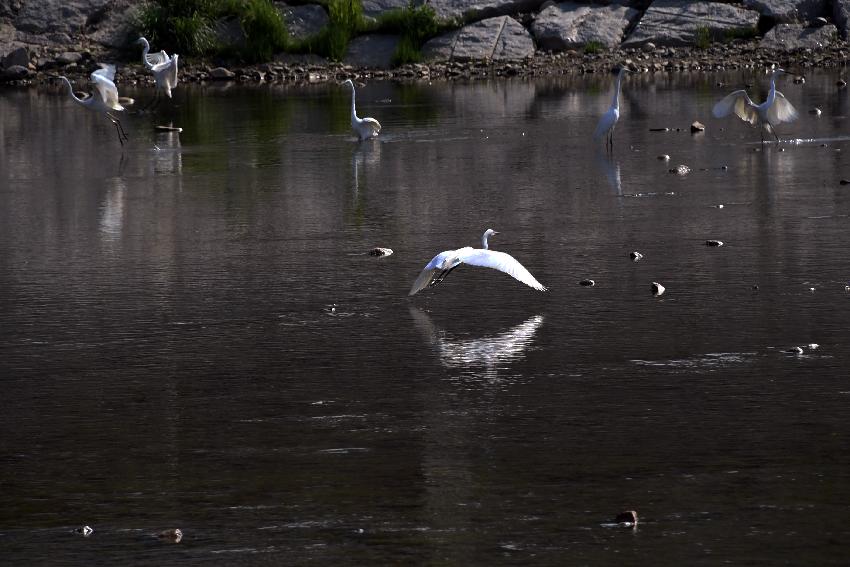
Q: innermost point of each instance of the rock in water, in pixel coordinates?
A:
(715, 243)
(697, 127)
(681, 170)
(635, 256)
(628, 518)
(381, 252)
(664, 157)
(658, 289)
(84, 531)
(173, 536)
(587, 283)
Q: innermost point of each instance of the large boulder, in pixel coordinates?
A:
(568, 25)
(19, 56)
(372, 50)
(498, 39)
(677, 22)
(374, 8)
(303, 21)
(117, 27)
(795, 36)
(469, 10)
(68, 16)
(789, 11)
(841, 15)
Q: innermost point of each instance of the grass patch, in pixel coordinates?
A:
(345, 20)
(741, 33)
(702, 37)
(594, 47)
(184, 26)
(415, 26)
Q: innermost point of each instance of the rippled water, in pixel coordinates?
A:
(193, 335)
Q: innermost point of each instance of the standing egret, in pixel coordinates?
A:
(163, 68)
(609, 119)
(443, 263)
(775, 110)
(104, 98)
(365, 128)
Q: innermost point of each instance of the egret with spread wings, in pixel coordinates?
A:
(775, 110)
(162, 67)
(104, 97)
(443, 263)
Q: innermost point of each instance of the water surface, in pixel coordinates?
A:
(192, 335)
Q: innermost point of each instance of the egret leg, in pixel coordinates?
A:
(773, 131)
(118, 123)
(117, 130)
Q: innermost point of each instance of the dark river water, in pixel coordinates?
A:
(192, 335)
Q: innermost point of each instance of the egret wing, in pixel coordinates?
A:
(781, 110)
(429, 271)
(606, 123)
(373, 124)
(107, 91)
(172, 72)
(502, 262)
(154, 59)
(738, 102)
(106, 71)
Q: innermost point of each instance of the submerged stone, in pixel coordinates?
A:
(715, 243)
(378, 251)
(84, 531)
(587, 283)
(658, 289)
(635, 256)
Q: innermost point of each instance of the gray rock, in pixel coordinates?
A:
(68, 16)
(68, 57)
(795, 36)
(14, 73)
(228, 31)
(469, 10)
(657, 289)
(841, 16)
(303, 21)
(497, 39)
(372, 50)
(117, 28)
(20, 57)
(676, 22)
(221, 74)
(374, 8)
(570, 25)
(789, 11)
(380, 252)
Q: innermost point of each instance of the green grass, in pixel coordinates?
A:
(733, 34)
(183, 26)
(415, 26)
(702, 37)
(594, 47)
(345, 21)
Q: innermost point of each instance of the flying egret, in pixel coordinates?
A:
(443, 263)
(365, 128)
(163, 68)
(104, 98)
(775, 110)
(609, 119)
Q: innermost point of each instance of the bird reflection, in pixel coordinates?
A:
(112, 210)
(363, 155)
(612, 172)
(168, 156)
(490, 352)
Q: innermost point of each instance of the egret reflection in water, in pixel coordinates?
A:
(612, 172)
(491, 352)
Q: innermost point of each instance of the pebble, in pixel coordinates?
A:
(681, 170)
(813, 346)
(697, 127)
(84, 531)
(658, 289)
(628, 518)
(587, 283)
(381, 252)
(716, 243)
(659, 129)
(718, 206)
(664, 157)
(174, 535)
(795, 350)
(635, 256)
(816, 111)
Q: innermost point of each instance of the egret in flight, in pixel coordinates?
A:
(104, 98)
(609, 119)
(163, 68)
(775, 110)
(365, 128)
(443, 263)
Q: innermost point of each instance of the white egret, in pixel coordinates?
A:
(775, 110)
(163, 68)
(609, 119)
(104, 98)
(443, 263)
(365, 128)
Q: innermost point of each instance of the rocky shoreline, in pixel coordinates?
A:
(494, 38)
